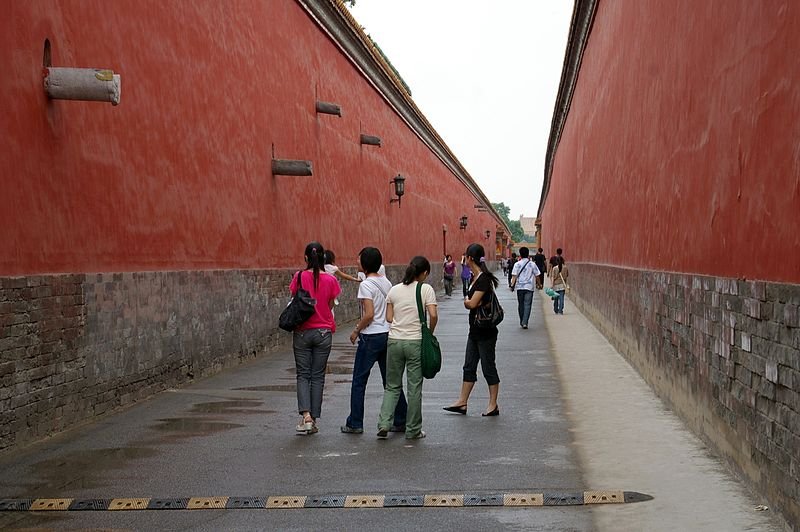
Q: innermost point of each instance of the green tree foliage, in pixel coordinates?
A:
(517, 234)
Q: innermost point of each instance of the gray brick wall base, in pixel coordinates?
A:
(723, 353)
(74, 347)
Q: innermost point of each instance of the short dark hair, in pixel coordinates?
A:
(558, 251)
(524, 252)
(540, 250)
(371, 259)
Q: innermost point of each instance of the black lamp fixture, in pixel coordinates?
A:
(462, 222)
(399, 183)
(487, 233)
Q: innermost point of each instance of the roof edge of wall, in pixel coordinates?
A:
(580, 28)
(335, 19)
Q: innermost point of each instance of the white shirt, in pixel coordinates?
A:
(406, 325)
(375, 288)
(525, 270)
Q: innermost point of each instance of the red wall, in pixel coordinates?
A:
(178, 175)
(680, 151)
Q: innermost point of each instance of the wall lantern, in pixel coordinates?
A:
(399, 183)
(487, 233)
(462, 222)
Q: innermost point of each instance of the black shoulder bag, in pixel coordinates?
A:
(300, 308)
(489, 314)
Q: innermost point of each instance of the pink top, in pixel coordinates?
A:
(324, 293)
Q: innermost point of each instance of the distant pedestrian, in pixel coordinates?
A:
(558, 279)
(405, 347)
(523, 276)
(557, 257)
(372, 333)
(448, 273)
(466, 275)
(541, 262)
(481, 342)
(311, 341)
(511, 262)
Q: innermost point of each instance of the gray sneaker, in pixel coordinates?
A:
(383, 433)
(418, 436)
(350, 430)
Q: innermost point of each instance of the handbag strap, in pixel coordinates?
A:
(419, 305)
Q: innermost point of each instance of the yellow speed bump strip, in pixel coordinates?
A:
(128, 504)
(51, 504)
(388, 500)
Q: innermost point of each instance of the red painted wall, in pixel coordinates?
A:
(680, 151)
(178, 175)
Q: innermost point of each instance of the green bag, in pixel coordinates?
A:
(431, 352)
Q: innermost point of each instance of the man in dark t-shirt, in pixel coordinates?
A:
(540, 260)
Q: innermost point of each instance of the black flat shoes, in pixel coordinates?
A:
(457, 409)
(495, 412)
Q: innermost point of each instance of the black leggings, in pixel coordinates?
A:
(480, 347)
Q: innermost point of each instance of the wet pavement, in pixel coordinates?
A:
(233, 435)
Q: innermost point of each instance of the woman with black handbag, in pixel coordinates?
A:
(311, 339)
(482, 337)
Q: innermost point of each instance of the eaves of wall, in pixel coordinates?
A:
(580, 28)
(335, 19)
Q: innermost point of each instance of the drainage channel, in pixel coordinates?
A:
(439, 500)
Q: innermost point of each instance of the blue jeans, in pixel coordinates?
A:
(371, 349)
(558, 302)
(524, 302)
(311, 350)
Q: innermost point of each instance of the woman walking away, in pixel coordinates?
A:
(466, 275)
(481, 341)
(558, 277)
(448, 272)
(311, 341)
(405, 347)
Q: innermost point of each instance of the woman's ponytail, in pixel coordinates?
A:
(315, 260)
(416, 267)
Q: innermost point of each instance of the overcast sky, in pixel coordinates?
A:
(485, 73)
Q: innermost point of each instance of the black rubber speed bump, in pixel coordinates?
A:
(15, 505)
(89, 505)
(243, 503)
(325, 501)
(168, 504)
(403, 500)
(563, 499)
(483, 500)
(635, 496)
